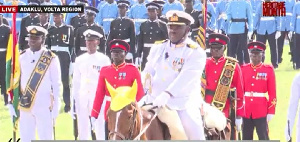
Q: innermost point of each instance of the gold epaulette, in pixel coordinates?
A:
(232, 59)
(191, 45)
(160, 41)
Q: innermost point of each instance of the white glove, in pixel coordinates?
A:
(277, 35)
(269, 117)
(161, 100)
(238, 124)
(250, 34)
(290, 34)
(71, 69)
(12, 111)
(93, 122)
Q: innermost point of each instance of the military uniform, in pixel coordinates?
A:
(174, 71)
(4, 37)
(122, 75)
(19, 16)
(239, 18)
(107, 13)
(221, 18)
(4, 20)
(85, 80)
(122, 28)
(210, 10)
(45, 26)
(195, 27)
(266, 29)
(44, 108)
(292, 110)
(78, 21)
(176, 5)
(27, 21)
(61, 41)
(258, 81)
(213, 72)
(296, 30)
(80, 46)
(161, 4)
(150, 31)
(138, 13)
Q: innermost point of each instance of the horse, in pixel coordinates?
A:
(134, 123)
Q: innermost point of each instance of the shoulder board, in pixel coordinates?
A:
(192, 45)
(23, 52)
(160, 41)
(232, 59)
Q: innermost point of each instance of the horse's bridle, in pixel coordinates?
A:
(131, 130)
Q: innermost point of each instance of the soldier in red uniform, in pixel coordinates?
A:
(219, 84)
(118, 74)
(259, 79)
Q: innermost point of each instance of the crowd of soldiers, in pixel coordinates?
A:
(132, 31)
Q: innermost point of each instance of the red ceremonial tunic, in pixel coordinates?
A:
(122, 75)
(259, 80)
(213, 70)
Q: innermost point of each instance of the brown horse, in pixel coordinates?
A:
(134, 123)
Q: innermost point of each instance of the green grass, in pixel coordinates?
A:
(284, 77)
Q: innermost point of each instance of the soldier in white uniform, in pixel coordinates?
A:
(292, 110)
(85, 80)
(41, 88)
(175, 67)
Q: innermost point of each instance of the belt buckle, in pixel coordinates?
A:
(251, 94)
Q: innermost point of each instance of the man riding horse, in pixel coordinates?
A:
(174, 67)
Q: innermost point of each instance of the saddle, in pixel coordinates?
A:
(171, 119)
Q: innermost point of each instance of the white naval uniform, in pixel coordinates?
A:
(85, 80)
(182, 81)
(293, 107)
(39, 117)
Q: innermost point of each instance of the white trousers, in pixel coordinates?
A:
(84, 124)
(30, 122)
(192, 123)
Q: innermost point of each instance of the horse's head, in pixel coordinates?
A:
(123, 114)
(124, 124)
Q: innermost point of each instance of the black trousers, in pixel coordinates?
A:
(65, 59)
(2, 75)
(261, 128)
(280, 43)
(296, 50)
(146, 51)
(238, 48)
(272, 42)
(106, 130)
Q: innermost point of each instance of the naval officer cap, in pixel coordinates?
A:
(176, 17)
(161, 3)
(92, 35)
(123, 3)
(37, 31)
(81, 2)
(91, 9)
(118, 44)
(256, 46)
(152, 5)
(217, 39)
(34, 2)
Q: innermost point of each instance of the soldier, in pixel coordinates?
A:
(172, 5)
(221, 21)
(107, 13)
(31, 19)
(151, 31)
(79, 20)
(19, 17)
(239, 18)
(174, 67)
(216, 67)
(161, 4)
(292, 111)
(122, 28)
(61, 41)
(285, 28)
(210, 11)
(4, 20)
(41, 86)
(295, 33)
(4, 37)
(118, 74)
(69, 16)
(85, 79)
(196, 15)
(266, 30)
(138, 13)
(80, 46)
(259, 79)
(44, 20)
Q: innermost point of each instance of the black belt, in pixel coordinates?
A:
(239, 20)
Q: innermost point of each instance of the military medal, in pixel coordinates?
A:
(120, 75)
(124, 75)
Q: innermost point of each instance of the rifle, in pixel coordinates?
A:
(289, 131)
(253, 35)
(234, 134)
